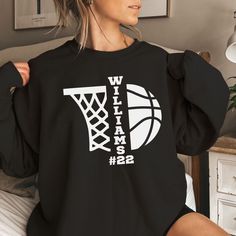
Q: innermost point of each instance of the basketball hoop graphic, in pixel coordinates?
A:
(91, 101)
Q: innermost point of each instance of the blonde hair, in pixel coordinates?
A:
(79, 10)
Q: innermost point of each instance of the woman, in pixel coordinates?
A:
(102, 127)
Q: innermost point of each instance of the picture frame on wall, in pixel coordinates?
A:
(34, 14)
(155, 8)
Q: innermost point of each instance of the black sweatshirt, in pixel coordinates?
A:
(103, 130)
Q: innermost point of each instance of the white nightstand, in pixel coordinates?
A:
(222, 183)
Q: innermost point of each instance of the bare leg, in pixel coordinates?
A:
(195, 224)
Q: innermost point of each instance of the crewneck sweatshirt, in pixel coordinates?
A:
(102, 129)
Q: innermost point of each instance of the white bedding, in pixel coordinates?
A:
(15, 210)
(190, 198)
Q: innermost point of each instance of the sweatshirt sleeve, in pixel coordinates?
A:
(19, 122)
(199, 99)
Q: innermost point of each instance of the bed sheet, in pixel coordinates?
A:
(14, 212)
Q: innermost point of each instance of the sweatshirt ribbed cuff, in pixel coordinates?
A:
(9, 77)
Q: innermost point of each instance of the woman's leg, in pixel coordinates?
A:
(195, 224)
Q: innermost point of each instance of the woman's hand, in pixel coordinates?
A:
(23, 69)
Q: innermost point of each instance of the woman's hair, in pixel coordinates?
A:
(79, 10)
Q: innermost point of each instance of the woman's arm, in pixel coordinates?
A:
(199, 99)
(19, 122)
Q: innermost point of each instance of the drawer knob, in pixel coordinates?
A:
(234, 218)
(234, 177)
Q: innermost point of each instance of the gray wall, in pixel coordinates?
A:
(193, 24)
(10, 37)
(198, 25)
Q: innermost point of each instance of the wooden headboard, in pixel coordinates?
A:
(195, 172)
(206, 56)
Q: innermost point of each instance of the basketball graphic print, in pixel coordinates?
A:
(120, 117)
(144, 116)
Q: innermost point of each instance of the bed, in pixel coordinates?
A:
(14, 213)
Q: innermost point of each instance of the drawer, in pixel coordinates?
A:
(226, 176)
(227, 215)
